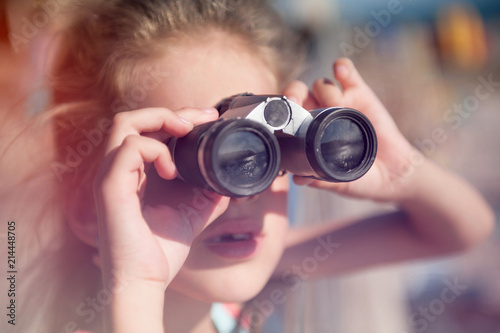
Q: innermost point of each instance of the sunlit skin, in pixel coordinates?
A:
(148, 244)
(190, 68)
(191, 83)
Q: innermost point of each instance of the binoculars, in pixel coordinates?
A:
(257, 136)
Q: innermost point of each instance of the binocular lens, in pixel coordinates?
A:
(242, 160)
(340, 144)
(234, 157)
(343, 145)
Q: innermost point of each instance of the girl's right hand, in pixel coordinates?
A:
(143, 246)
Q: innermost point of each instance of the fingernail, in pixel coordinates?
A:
(184, 120)
(341, 70)
(210, 110)
(328, 81)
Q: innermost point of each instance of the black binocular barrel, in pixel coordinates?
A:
(335, 144)
(242, 152)
(234, 157)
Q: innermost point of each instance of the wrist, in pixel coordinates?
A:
(135, 306)
(416, 178)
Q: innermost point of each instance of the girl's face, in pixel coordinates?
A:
(233, 257)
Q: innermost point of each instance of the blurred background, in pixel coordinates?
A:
(429, 61)
(436, 66)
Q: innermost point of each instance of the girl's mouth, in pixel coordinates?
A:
(235, 239)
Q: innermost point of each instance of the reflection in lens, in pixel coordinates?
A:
(343, 145)
(242, 159)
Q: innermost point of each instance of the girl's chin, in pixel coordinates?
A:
(222, 288)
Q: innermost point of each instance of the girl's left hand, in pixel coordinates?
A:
(389, 175)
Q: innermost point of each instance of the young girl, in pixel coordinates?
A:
(133, 73)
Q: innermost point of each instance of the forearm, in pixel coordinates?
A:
(440, 213)
(444, 210)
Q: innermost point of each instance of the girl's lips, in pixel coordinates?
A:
(234, 238)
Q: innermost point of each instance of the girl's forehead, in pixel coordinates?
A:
(201, 74)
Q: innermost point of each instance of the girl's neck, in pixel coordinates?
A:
(186, 315)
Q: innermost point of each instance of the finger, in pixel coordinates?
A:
(301, 181)
(219, 206)
(354, 86)
(311, 103)
(341, 188)
(327, 93)
(197, 214)
(349, 78)
(118, 184)
(195, 217)
(137, 150)
(296, 91)
(194, 116)
(347, 75)
(146, 120)
(206, 215)
(198, 116)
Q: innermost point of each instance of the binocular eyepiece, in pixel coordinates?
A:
(256, 136)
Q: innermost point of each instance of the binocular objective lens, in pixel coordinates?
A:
(343, 145)
(243, 159)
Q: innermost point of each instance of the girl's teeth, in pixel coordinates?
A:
(232, 237)
(241, 236)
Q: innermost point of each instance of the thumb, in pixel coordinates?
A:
(341, 188)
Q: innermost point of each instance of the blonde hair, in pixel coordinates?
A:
(102, 52)
(109, 45)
